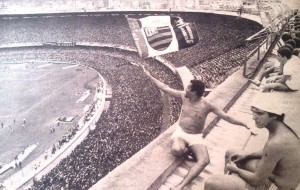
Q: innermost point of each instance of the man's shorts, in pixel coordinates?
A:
(191, 139)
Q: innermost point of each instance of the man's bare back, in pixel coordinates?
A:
(288, 145)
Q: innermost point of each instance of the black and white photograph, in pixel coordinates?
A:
(149, 95)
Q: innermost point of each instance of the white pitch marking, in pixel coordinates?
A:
(68, 67)
(45, 65)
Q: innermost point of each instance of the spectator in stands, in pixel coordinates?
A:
(291, 42)
(187, 138)
(297, 28)
(289, 80)
(278, 162)
(297, 40)
(240, 10)
(290, 47)
(296, 34)
(286, 36)
(271, 67)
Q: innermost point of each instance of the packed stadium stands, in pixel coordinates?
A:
(136, 111)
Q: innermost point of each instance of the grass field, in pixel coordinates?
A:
(39, 93)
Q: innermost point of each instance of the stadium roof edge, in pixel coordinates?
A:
(255, 18)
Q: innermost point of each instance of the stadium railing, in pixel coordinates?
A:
(270, 37)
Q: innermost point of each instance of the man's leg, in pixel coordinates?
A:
(202, 157)
(225, 182)
(265, 71)
(275, 86)
(179, 147)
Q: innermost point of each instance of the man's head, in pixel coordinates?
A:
(291, 42)
(286, 36)
(297, 28)
(196, 88)
(267, 108)
(297, 40)
(297, 34)
(263, 119)
(289, 46)
(297, 23)
(296, 52)
(284, 54)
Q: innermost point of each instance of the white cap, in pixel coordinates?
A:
(269, 102)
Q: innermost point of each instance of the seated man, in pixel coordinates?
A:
(187, 138)
(279, 160)
(290, 79)
(266, 70)
(271, 68)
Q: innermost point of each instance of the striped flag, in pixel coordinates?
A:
(159, 38)
(157, 35)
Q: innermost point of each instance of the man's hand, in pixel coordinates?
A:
(231, 167)
(237, 157)
(145, 71)
(245, 125)
(252, 130)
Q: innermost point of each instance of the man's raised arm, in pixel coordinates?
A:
(162, 86)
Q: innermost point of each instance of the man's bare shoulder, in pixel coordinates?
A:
(284, 137)
(208, 104)
(274, 150)
(278, 145)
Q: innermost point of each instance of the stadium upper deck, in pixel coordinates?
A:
(218, 35)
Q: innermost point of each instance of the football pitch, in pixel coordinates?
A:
(32, 97)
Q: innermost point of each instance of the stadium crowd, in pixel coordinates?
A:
(217, 35)
(135, 115)
(133, 120)
(105, 29)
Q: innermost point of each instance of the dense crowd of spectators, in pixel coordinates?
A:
(215, 71)
(218, 34)
(221, 48)
(104, 29)
(136, 112)
(133, 120)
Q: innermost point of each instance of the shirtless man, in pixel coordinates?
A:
(187, 137)
(279, 160)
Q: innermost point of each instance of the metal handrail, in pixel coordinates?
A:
(268, 29)
(271, 39)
